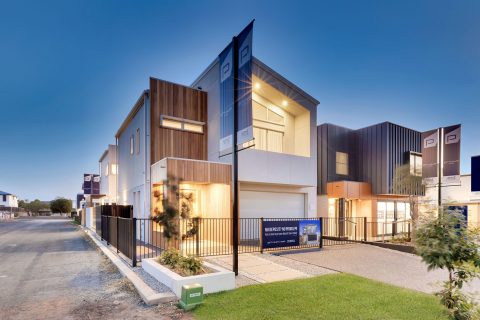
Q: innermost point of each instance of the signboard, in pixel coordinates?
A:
(290, 233)
(475, 178)
(430, 157)
(227, 89)
(451, 155)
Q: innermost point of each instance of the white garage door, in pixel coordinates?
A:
(255, 204)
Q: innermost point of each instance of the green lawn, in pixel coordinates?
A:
(337, 296)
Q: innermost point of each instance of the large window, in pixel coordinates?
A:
(415, 164)
(131, 144)
(181, 124)
(269, 127)
(137, 142)
(341, 163)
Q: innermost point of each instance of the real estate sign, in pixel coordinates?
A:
(91, 183)
(451, 155)
(290, 233)
(227, 91)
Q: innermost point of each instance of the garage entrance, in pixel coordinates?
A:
(257, 204)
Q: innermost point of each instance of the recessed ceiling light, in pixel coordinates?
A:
(285, 103)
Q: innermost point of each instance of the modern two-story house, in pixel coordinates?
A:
(107, 165)
(360, 172)
(278, 174)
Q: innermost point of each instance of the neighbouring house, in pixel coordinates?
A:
(357, 168)
(108, 175)
(8, 200)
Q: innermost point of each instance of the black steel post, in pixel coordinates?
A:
(261, 235)
(320, 242)
(134, 242)
(235, 156)
(196, 222)
(117, 234)
(440, 162)
(365, 229)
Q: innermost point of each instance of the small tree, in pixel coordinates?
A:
(61, 205)
(444, 242)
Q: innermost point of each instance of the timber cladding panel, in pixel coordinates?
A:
(199, 171)
(174, 100)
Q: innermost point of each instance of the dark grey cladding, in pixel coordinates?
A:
(374, 154)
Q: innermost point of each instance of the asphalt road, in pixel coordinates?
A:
(50, 270)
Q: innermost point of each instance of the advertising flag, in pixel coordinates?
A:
(87, 183)
(451, 155)
(430, 159)
(227, 90)
(475, 174)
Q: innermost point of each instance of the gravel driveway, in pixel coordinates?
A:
(50, 270)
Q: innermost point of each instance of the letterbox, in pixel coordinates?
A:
(192, 295)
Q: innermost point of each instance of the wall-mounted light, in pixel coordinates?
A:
(257, 85)
(285, 103)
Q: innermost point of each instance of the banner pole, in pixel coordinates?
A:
(440, 162)
(235, 156)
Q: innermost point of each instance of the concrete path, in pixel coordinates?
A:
(49, 270)
(385, 265)
(261, 270)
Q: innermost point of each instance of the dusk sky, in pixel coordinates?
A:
(70, 71)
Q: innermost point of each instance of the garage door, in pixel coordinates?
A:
(255, 204)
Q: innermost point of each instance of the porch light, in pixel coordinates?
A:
(285, 103)
(257, 85)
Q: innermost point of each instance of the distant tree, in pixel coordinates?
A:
(36, 205)
(61, 205)
(23, 204)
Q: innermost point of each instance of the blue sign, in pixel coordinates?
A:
(475, 174)
(290, 233)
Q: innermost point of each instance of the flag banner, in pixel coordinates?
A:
(245, 127)
(244, 91)
(475, 178)
(451, 155)
(95, 184)
(430, 157)
(226, 99)
(87, 183)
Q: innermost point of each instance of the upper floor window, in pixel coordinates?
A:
(415, 164)
(4, 198)
(131, 144)
(137, 142)
(106, 170)
(113, 169)
(341, 162)
(182, 124)
(268, 128)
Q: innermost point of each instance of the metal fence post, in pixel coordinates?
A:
(134, 242)
(196, 222)
(409, 235)
(320, 242)
(365, 229)
(261, 235)
(108, 230)
(117, 234)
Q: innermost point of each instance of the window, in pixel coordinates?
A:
(4, 198)
(131, 144)
(341, 163)
(181, 124)
(269, 127)
(106, 170)
(137, 140)
(113, 169)
(415, 164)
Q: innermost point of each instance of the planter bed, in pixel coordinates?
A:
(219, 279)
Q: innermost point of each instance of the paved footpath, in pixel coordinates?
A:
(49, 270)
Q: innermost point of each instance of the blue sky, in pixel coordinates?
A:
(71, 70)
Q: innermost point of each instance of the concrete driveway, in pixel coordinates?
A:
(385, 265)
(49, 270)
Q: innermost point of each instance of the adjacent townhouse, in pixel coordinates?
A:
(108, 175)
(8, 200)
(359, 172)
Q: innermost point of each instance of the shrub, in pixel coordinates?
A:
(170, 257)
(190, 265)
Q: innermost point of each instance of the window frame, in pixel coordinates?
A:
(414, 169)
(132, 144)
(345, 164)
